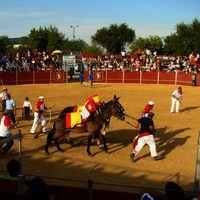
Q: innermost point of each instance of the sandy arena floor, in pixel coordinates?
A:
(177, 137)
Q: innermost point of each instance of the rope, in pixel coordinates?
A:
(130, 124)
(131, 117)
(50, 114)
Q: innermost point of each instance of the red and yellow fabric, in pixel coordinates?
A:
(92, 102)
(73, 118)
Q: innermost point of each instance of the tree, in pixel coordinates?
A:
(186, 39)
(93, 49)
(153, 43)
(45, 39)
(114, 38)
(4, 43)
(74, 46)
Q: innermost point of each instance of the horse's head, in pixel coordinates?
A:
(117, 109)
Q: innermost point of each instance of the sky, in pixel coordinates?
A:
(146, 17)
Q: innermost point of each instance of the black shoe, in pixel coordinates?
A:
(132, 155)
(157, 157)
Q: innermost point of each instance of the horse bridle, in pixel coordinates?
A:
(120, 110)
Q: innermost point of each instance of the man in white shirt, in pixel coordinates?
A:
(3, 97)
(177, 97)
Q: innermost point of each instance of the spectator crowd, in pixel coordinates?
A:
(35, 61)
(143, 61)
(139, 61)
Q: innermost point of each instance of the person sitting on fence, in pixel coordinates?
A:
(5, 125)
(37, 188)
(13, 169)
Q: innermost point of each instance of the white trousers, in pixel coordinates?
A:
(38, 120)
(149, 140)
(175, 104)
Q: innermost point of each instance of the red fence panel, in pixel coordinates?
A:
(130, 77)
(167, 77)
(154, 77)
(114, 76)
(184, 79)
(31, 77)
(149, 77)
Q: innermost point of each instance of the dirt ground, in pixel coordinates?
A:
(177, 137)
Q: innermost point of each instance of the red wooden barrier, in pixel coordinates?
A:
(31, 77)
(154, 77)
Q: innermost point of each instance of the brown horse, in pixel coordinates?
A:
(93, 125)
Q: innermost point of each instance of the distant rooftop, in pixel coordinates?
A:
(14, 41)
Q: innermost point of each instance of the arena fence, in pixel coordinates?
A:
(197, 172)
(18, 136)
(101, 76)
(87, 191)
(153, 77)
(32, 77)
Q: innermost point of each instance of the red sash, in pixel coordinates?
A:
(135, 142)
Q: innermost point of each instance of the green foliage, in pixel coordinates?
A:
(186, 39)
(45, 39)
(74, 46)
(93, 49)
(4, 43)
(114, 38)
(153, 43)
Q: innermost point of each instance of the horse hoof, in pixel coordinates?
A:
(71, 143)
(89, 154)
(47, 153)
(103, 148)
(61, 150)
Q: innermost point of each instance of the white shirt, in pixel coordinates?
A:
(4, 130)
(176, 94)
(3, 96)
(27, 104)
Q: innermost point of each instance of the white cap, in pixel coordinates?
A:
(151, 103)
(41, 97)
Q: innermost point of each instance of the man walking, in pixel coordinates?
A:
(40, 108)
(91, 79)
(11, 108)
(145, 136)
(177, 97)
(147, 109)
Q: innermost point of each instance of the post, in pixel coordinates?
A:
(140, 76)
(74, 30)
(20, 176)
(89, 193)
(197, 172)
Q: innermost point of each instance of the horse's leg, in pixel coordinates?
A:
(68, 138)
(49, 140)
(89, 144)
(58, 145)
(105, 148)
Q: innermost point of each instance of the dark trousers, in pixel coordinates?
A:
(3, 104)
(12, 115)
(26, 113)
(8, 145)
